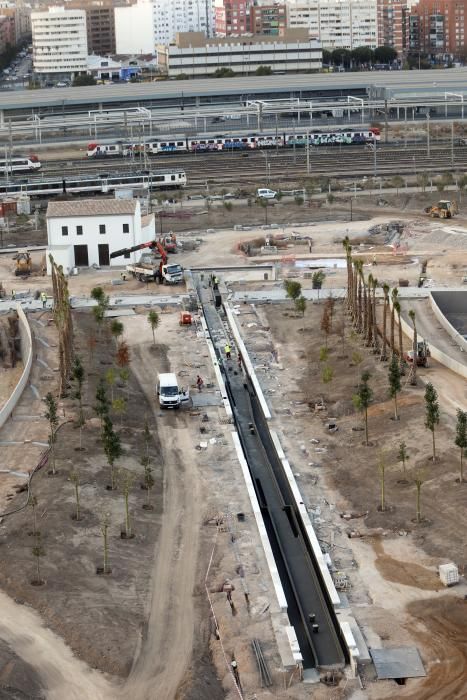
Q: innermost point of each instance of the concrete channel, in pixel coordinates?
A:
(309, 607)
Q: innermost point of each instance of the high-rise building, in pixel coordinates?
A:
(392, 24)
(336, 23)
(174, 16)
(59, 42)
(270, 19)
(134, 28)
(438, 27)
(100, 24)
(232, 17)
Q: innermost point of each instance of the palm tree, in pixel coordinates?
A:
(369, 313)
(375, 325)
(358, 272)
(397, 308)
(365, 305)
(383, 355)
(348, 248)
(413, 366)
(394, 294)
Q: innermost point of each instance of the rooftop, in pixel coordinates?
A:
(91, 207)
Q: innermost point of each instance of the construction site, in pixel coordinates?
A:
(243, 477)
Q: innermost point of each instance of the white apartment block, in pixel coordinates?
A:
(59, 42)
(343, 24)
(174, 16)
(134, 28)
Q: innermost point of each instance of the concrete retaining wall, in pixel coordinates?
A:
(447, 325)
(26, 353)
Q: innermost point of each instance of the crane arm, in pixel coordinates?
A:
(141, 246)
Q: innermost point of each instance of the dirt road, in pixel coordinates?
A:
(166, 647)
(61, 674)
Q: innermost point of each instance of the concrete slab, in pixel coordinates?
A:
(203, 399)
(398, 662)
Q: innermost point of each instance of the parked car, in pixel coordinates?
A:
(265, 193)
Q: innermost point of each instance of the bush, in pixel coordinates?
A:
(228, 206)
(298, 200)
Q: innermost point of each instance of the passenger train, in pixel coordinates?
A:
(18, 164)
(229, 143)
(98, 184)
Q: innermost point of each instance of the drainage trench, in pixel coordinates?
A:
(309, 608)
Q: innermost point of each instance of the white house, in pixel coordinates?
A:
(85, 232)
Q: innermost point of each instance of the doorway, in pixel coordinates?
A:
(104, 257)
(81, 256)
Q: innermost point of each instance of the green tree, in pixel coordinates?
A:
(153, 320)
(293, 289)
(102, 405)
(83, 80)
(126, 480)
(323, 354)
(362, 55)
(327, 374)
(105, 524)
(394, 382)
(397, 182)
(52, 416)
(263, 70)
(112, 448)
(223, 73)
(317, 279)
(119, 407)
(75, 480)
(363, 399)
(403, 456)
(461, 439)
(148, 482)
(326, 325)
(431, 413)
(111, 378)
(98, 294)
(418, 480)
(116, 328)
(385, 54)
(300, 305)
(77, 376)
(38, 552)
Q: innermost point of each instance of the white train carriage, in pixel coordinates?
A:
(19, 165)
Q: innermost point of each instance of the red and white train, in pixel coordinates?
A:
(207, 144)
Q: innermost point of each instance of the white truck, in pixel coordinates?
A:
(148, 270)
(170, 395)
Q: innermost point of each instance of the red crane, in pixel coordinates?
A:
(150, 244)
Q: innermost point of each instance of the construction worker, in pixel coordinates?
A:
(215, 284)
(44, 299)
(228, 350)
(199, 382)
(13, 295)
(239, 360)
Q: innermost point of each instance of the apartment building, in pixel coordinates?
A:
(179, 16)
(19, 15)
(100, 26)
(194, 55)
(438, 27)
(392, 24)
(268, 19)
(342, 24)
(59, 42)
(134, 28)
(232, 17)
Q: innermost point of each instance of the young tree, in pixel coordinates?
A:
(77, 376)
(357, 359)
(75, 480)
(461, 439)
(97, 293)
(419, 480)
(32, 501)
(123, 355)
(323, 354)
(413, 365)
(38, 552)
(110, 378)
(300, 305)
(52, 416)
(394, 295)
(116, 328)
(327, 374)
(126, 481)
(102, 402)
(317, 279)
(119, 407)
(153, 320)
(325, 325)
(148, 481)
(105, 524)
(431, 413)
(397, 308)
(293, 289)
(394, 382)
(403, 456)
(363, 398)
(112, 448)
(383, 356)
(382, 473)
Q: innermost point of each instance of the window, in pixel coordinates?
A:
(101, 228)
(64, 230)
(126, 228)
(79, 230)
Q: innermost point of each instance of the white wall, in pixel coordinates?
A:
(114, 236)
(63, 255)
(59, 40)
(26, 356)
(134, 28)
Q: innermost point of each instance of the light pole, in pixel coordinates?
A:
(375, 167)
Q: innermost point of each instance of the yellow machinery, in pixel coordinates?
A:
(23, 263)
(445, 209)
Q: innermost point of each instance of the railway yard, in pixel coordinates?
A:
(281, 534)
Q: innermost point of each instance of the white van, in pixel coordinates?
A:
(169, 393)
(265, 193)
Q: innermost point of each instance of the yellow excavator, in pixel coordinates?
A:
(23, 263)
(445, 209)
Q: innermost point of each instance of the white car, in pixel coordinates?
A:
(265, 193)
